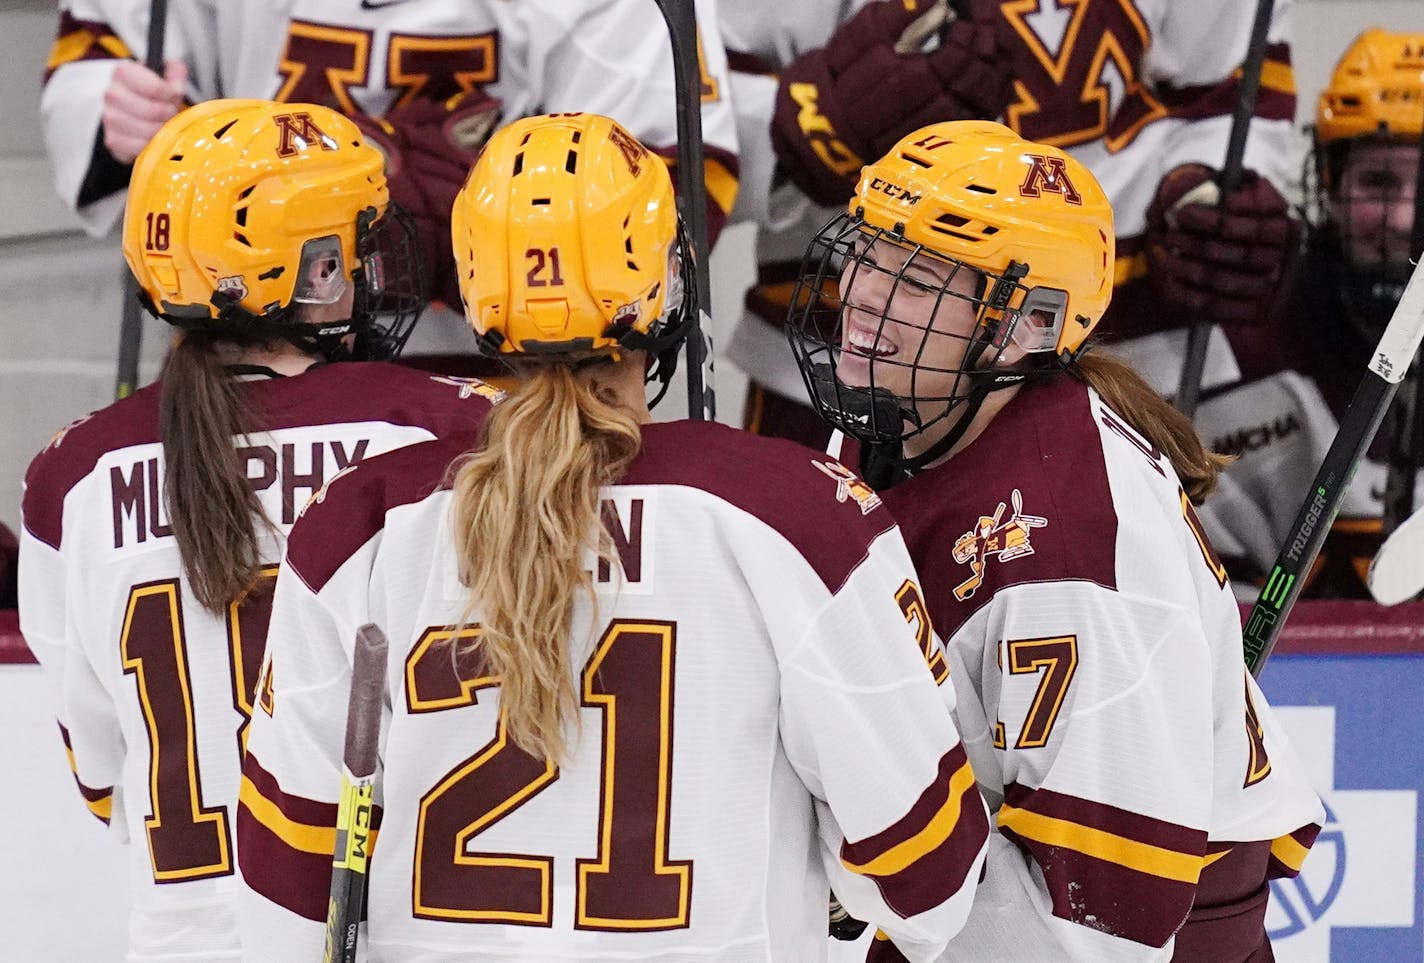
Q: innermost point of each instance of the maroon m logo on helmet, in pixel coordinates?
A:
(298, 131)
(1048, 174)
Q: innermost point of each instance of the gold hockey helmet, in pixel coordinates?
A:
(567, 242)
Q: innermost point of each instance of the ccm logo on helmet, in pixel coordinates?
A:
(894, 191)
(299, 131)
(1048, 174)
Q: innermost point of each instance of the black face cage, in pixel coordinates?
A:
(1366, 264)
(388, 296)
(838, 257)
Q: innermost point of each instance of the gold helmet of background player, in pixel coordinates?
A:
(976, 193)
(567, 242)
(1377, 88)
(240, 211)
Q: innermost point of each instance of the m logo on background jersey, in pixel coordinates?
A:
(849, 486)
(1048, 174)
(299, 131)
(1007, 540)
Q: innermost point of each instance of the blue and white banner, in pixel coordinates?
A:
(1350, 691)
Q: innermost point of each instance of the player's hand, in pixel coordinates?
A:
(430, 146)
(137, 102)
(845, 105)
(1220, 264)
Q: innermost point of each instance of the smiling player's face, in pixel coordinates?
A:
(906, 322)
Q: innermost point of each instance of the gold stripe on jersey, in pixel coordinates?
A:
(937, 830)
(1278, 75)
(78, 45)
(1100, 844)
(319, 840)
(1129, 267)
(722, 184)
(99, 801)
(1289, 852)
(1210, 858)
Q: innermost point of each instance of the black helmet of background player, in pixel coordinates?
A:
(248, 218)
(531, 229)
(968, 260)
(1367, 129)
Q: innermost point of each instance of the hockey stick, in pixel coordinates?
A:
(131, 316)
(358, 779)
(681, 17)
(1397, 571)
(1407, 444)
(1199, 335)
(1396, 349)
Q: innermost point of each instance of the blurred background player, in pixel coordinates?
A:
(820, 89)
(1140, 91)
(1302, 369)
(153, 528)
(659, 666)
(426, 80)
(1142, 791)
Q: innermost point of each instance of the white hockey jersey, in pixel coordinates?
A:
(1132, 88)
(153, 691)
(758, 726)
(609, 57)
(1138, 779)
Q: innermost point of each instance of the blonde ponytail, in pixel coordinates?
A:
(1123, 390)
(526, 505)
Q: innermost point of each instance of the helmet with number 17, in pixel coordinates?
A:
(569, 247)
(244, 215)
(968, 259)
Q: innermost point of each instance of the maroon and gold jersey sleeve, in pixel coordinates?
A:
(1142, 786)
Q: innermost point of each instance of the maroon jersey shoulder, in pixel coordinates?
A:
(375, 391)
(822, 508)
(1027, 501)
(75, 450)
(351, 508)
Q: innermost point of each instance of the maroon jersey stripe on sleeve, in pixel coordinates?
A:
(924, 858)
(1275, 102)
(99, 801)
(83, 40)
(1288, 852)
(1107, 868)
(285, 843)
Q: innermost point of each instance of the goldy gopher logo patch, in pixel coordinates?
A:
(849, 486)
(1007, 540)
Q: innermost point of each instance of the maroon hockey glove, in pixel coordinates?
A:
(430, 146)
(1217, 264)
(845, 105)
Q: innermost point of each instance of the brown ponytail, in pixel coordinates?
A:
(211, 506)
(1123, 390)
(526, 505)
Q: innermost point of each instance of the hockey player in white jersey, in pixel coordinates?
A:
(1142, 791)
(153, 528)
(652, 687)
(425, 79)
(1141, 91)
